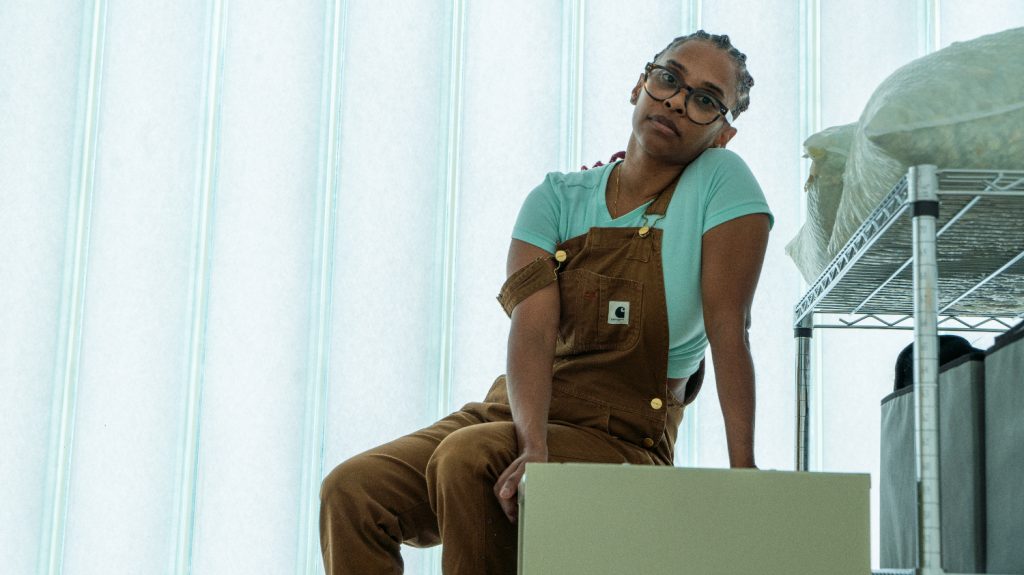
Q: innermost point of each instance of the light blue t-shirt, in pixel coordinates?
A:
(714, 188)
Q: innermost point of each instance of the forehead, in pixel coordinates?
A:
(704, 63)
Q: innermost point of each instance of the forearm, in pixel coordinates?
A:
(734, 374)
(530, 357)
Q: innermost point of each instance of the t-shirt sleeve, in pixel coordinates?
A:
(537, 223)
(733, 192)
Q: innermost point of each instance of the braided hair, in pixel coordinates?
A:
(744, 81)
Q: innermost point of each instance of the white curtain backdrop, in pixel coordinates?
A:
(242, 241)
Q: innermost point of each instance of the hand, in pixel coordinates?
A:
(507, 487)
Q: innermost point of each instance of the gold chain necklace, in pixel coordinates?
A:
(618, 190)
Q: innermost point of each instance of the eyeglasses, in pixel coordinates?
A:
(700, 106)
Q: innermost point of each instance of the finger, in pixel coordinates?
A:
(505, 489)
(499, 484)
(509, 508)
(508, 490)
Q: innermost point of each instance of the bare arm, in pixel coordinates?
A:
(531, 349)
(731, 259)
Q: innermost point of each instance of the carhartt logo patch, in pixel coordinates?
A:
(618, 312)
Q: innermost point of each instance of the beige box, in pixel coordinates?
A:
(594, 519)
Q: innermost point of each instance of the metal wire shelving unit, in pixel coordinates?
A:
(943, 251)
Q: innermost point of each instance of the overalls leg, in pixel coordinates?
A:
(477, 537)
(461, 475)
(372, 503)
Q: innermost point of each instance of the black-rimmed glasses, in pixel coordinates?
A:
(701, 107)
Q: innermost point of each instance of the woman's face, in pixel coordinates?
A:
(662, 129)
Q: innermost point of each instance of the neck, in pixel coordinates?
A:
(644, 177)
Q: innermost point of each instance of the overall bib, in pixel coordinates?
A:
(610, 404)
(611, 357)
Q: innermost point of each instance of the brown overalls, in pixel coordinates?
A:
(610, 404)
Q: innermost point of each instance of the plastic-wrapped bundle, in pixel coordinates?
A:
(961, 107)
(827, 150)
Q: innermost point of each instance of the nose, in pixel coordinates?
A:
(680, 108)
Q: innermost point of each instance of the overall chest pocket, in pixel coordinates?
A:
(598, 312)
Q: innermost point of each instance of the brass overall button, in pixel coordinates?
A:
(644, 231)
(648, 442)
(656, 403)
(560, 256)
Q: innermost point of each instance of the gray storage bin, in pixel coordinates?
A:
(962, 467)
(1004, 453)
(962, 385)
(897, 519)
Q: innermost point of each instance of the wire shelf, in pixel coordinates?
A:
(980, 248)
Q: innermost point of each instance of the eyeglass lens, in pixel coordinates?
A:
(701, 107)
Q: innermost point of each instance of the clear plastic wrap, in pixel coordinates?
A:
(827, 150)
(960, 107)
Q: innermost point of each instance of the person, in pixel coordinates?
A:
(619, 278)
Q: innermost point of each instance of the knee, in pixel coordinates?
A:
(482, 450)
(347, 481)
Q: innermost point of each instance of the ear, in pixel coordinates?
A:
(724, 136)
(635, 94)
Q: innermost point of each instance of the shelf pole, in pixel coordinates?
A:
(803, 333)
(923, 197)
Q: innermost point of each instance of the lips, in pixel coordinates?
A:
(665, 122)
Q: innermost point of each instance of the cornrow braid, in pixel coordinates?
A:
(744, 81)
